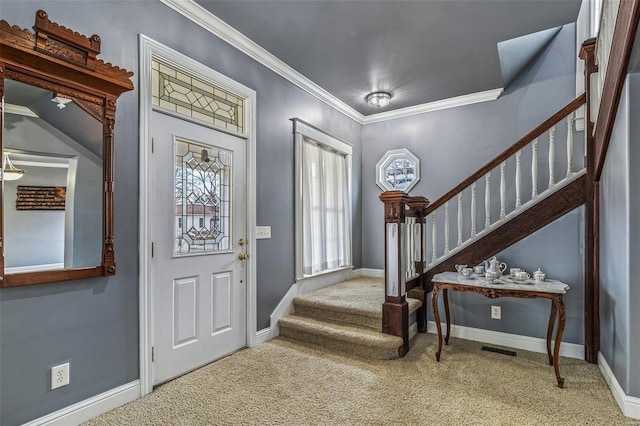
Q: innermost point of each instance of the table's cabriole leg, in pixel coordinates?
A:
(562, 317)
(445, 297)
(552, 321)
(436, 317)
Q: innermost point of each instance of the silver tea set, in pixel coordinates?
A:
(492, 270)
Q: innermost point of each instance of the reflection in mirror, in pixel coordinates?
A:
(53, 211)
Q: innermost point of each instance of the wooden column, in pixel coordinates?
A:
(592, 224)
(395, 310)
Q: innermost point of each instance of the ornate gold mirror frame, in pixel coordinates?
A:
(64, 62)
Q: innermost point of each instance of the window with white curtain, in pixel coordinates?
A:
(323, 201)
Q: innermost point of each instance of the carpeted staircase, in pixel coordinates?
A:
(345, 317)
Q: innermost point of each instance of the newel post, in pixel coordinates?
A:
(592, 207)
(395, 310)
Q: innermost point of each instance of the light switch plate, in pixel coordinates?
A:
(263, 232)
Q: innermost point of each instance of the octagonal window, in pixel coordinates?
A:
(398, 170)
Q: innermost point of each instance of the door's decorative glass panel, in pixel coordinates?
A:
(398, 170)
(202, 198)
(184, 94)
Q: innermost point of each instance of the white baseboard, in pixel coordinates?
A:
(285, 307)
(263, 335)
(629, 405)
(369, 272)
(92, 407)
(533, 344)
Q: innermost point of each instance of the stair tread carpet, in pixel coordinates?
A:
(347, 317)
(362, 296)
(345, 338)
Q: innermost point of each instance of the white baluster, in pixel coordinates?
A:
(446, 227)
(433, 237)
(552, 142)
(503, 190)
(417, 241)
(569, 145)
(487, 200)
(473, 209)
(459, 220)
(518, 178)
(534, 168)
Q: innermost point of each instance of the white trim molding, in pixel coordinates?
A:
(369, 272)
(149, 49)
(458, 101)
(216, 26)
(91, 407)
(629, 405)
(201, 16)
(527, 343)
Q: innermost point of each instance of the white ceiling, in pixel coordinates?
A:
(420, 51)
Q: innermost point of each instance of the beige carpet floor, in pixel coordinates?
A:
(286, 383)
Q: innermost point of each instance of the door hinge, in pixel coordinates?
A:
(153, 354)
(153, 145)
(152, 250)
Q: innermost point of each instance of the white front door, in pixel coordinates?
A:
(198, 229)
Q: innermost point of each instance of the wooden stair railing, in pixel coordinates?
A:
(410, 261)
(404, 262)
(525, 179)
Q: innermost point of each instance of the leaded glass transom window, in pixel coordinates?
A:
(203, 199)
(184, 94)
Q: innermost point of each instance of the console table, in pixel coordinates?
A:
(549, 289)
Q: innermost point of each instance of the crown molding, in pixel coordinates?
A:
(472, 98)
(202, 17)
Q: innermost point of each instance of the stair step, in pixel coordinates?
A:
(346, 338)
(356, 302)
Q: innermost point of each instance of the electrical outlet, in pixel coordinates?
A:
(496, 312)
(59, 376)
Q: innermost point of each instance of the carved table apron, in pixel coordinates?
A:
(550, 289)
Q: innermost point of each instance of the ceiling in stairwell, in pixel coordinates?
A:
(420, 51)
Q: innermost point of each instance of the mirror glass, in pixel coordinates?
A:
(398, 170)
(52, 211)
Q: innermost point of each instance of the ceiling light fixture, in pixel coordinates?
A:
(379, 99)
(9, 172)
(62, 102)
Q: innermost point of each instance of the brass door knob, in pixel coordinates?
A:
(243, 256)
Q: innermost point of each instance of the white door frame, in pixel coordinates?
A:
(148, 49)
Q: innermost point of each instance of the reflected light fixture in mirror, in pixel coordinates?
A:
(379, 99)
(60, 101)
(9, 171)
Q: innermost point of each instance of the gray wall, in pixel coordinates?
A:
(94, 323)
(619, 244)
(554, 250)
(453, 143)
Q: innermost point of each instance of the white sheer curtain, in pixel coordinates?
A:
(326, 209)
